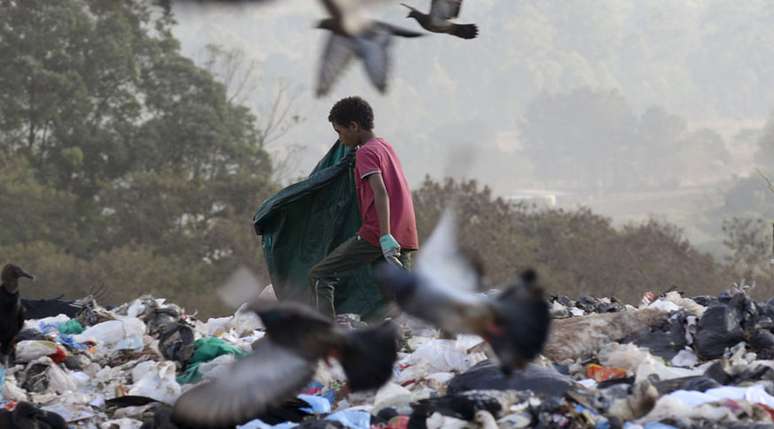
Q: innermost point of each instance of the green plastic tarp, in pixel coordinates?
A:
(302, 223)
(205, 350)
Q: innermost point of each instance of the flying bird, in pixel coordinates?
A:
(354, 36)
(442, 291)
(284, 361)
(440, 16)
(11, 309)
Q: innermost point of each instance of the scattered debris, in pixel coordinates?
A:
(672, 362)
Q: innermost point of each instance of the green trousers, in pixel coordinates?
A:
(349, 255)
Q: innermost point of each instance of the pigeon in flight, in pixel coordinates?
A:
(440, 16)
(352, 35)
(284, 361)
(442, 291)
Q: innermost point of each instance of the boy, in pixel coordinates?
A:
(386, 210)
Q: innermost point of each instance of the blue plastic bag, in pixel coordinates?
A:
(352, 419)
(317, 404)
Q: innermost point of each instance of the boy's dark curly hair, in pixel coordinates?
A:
(352, 109)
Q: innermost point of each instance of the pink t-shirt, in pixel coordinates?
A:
(378, 156)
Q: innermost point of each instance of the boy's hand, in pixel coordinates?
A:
(390, 246)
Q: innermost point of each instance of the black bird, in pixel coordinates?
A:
(440, 16)
(11, 309)
(284, 361)
(352, 35)
(28, 416)
(442, 291)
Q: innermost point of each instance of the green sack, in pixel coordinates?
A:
(304, 222)
(205, 350)
(71, 327)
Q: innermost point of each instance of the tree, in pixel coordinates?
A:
(658, 132)
(574, 251)
(581, 137)
(125, 152)
(749, 241)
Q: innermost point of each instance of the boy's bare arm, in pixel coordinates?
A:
(381, 201)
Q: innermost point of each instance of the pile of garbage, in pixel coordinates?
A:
(673, 361)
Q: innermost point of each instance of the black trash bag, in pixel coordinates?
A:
(706, 300)
(176, 341)
(754, 374)
(565, 301)
(717, 371)
(610, 307)
(699, 383)
(721, 327)
(587, 303)
(544, 382)
(615, 381)
(156, 318)
(767, 309)
(291, 410)
(460, 405)
(384, 416)
(665, 339)
(762, 342)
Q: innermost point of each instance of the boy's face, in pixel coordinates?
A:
(348, 135)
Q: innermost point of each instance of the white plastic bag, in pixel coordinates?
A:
(123, 334)
(685, 359)
(443, 356)
(391, 395)
(244, 322)
(30, 350)
(155, 380)
(652, 365)
(60, 380)
(123, 423)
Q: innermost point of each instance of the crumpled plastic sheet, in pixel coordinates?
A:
(122, 423)
(317, 404)
(71, 412)
(258, 424)
(115, 335)
(438, 355)
(156, 380)
(352, 418)
(755, 394)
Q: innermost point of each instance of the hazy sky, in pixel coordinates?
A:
(710, 62)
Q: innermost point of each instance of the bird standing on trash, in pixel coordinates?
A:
(440, 16)
(283, 362)
(353, 35)
(442, 291)
(11, 309)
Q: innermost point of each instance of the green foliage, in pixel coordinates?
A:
(123, 164)
(749, 240)
(575, 252)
